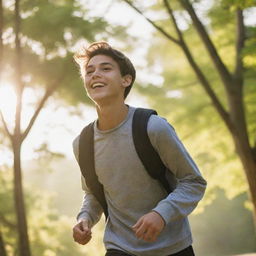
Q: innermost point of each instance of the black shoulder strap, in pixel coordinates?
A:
(87, 165)
(146, 152)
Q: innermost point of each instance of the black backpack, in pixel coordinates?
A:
(147, 154)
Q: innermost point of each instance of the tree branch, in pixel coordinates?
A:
(240, 40)
(201, 77)
(5, 126)
(225, 75)
(49, 91)
(161, 30)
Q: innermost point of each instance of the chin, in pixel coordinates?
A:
(98, 99)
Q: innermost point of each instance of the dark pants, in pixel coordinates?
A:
(186, 252)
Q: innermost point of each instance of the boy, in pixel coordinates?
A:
(143, 219)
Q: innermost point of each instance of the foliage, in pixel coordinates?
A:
(50, 31)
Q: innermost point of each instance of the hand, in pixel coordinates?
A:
(82, 232)
(149, 226)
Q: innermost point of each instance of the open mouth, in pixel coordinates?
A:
(97, 85)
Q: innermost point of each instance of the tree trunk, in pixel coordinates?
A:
(241, 141)
(249, 164)
(24, 249)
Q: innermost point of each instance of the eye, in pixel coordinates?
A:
(106, 68)
(88, 72)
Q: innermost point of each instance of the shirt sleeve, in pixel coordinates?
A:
(90, 210)
(190, 186)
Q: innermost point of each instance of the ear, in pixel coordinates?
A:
(126, 80)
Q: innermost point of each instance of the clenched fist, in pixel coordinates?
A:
(82, 232)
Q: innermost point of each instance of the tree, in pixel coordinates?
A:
(233, 81)
(62, 25)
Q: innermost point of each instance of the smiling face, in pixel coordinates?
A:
(103, 80)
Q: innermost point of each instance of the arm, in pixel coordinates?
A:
(90, 211)
(191, 185)
(190, 188)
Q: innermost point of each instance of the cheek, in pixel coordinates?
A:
(86, 81)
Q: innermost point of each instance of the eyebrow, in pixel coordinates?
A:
(101, 64)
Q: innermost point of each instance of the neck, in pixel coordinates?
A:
(111, 116)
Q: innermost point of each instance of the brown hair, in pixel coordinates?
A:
(102, 48)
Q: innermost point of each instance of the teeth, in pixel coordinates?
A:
(97, 85)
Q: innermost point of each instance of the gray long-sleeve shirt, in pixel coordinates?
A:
(130, 192)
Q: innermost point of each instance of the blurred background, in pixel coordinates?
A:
(196, 65)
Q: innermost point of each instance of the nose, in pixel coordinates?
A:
(96, 74)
